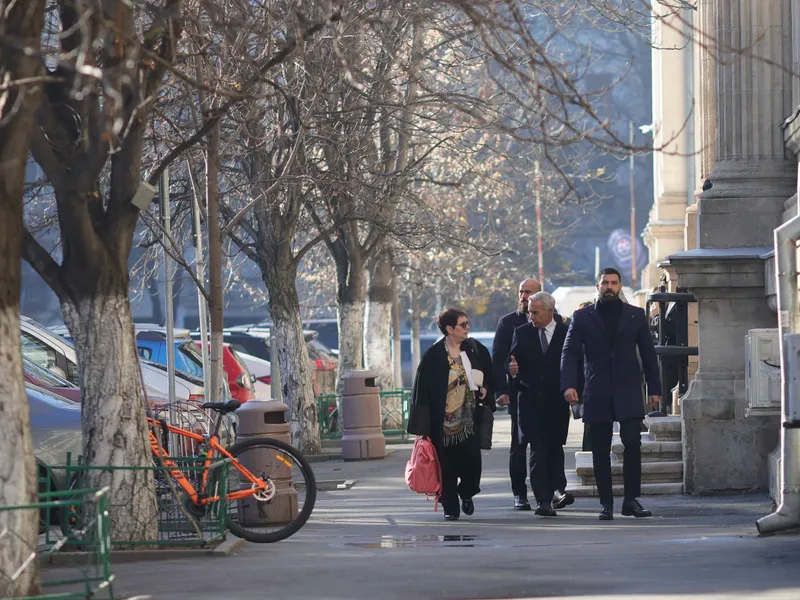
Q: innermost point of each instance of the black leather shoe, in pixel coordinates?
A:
(562, 499)
(545, 509)
(607, 514)
(468, 506)
(521, 503)
(450, 517)
(632, 508)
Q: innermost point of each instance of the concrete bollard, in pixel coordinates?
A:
(258, 418)
(362, 437)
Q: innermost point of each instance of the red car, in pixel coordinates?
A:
(240, 380)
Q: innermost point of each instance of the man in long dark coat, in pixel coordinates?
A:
(607, 336)
(542, 413)
(518, 452)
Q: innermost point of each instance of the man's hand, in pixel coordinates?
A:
(653, 401)
(482, 393)
(503, 400)
(513, 367)
(571, 396)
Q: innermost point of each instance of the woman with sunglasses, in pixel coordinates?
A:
(448, 401)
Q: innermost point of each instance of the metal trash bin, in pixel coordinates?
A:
(266, 418)
(362, 437)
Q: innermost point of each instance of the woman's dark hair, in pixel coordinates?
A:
(449, 318)
(609, 271)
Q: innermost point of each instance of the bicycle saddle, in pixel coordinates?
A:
(222, 407)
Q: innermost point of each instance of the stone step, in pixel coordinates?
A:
(652, 450)
(664, 429)
(652, 472)
(648, 489)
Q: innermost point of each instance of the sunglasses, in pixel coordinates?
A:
(465, 324)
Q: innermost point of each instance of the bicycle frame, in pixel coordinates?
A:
(213, 448)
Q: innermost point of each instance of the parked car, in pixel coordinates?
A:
(152, 345)
(57, 354)
(55, 430)
(43, 378)
(256, 339)
(261, 371)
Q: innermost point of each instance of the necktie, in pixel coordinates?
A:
(543, 338)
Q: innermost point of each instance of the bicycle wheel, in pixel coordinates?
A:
(287, 503)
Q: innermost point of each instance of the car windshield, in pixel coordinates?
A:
(45, 376)
(194, 358)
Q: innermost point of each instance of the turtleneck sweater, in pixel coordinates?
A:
(610, 312)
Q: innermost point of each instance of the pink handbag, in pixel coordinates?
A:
(423, 473)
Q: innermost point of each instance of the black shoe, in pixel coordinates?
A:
(521, 503)
(607, 514)
(632, 508)
(468, 506)
(562, 499)
(450, 517)
(544, 509)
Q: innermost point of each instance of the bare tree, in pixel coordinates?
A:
(108, 62)
(20, 91)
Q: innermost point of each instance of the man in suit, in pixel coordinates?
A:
(543, 415)
(607, 335)
(517, 459)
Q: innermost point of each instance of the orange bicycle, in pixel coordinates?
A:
(271, 488)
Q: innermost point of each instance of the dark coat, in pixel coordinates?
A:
(500, 347)
(429, 395)
(540, 401)
(613, 376)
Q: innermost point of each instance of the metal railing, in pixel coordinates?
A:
(672, 342)
(82, 575)
(178, 521)
(395, 410)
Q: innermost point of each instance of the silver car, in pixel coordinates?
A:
(56, 432)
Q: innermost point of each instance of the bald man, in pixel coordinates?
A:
(517, 463)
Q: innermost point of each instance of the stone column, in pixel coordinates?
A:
(751, 179)
(752, 175)
(672, 132)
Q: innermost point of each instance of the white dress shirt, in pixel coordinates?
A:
(548, 331)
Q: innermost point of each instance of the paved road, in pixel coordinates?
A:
(378, 540)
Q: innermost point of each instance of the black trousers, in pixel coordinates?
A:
(547, 464)
(631, 433)
(517, 459)
(461, 473)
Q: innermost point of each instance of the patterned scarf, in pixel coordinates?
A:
(459, 409)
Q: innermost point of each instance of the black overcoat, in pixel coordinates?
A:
(540, 403)
(429, 395)
(613, 378)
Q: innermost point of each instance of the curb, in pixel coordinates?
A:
(228, 547)
(71, 559)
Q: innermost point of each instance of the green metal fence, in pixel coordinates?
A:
(179, 522)
(83, 575)
(395, 409)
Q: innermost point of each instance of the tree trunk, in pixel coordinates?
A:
(350, 308)
(416, 355)
(114, 420)
(378, 322)
(18, 477)
(18, 480)
(214, 267)
(295, 365)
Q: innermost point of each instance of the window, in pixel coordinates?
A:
(145, 353)
(38, 352)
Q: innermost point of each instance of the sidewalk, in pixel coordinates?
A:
(379, 540)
